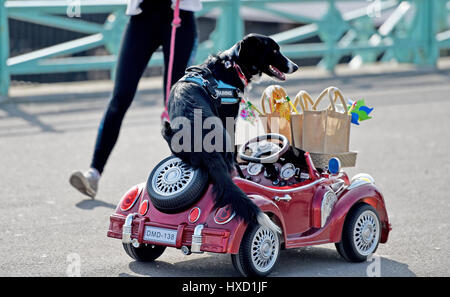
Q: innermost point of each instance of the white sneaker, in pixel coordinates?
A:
(87, 182)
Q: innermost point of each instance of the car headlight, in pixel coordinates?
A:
(328, 202)
(363, 176)
(361, 179)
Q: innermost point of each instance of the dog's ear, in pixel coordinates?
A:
(251, 41)
(243, 45)
(237, 49)
(253, 45)
(246, 46)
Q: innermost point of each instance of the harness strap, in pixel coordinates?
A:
(219, 91)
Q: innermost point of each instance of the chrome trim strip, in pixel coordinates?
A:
(308, 242)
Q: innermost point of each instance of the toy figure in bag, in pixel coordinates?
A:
(278, 102)
(278, 118)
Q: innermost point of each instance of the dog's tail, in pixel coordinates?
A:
(227, 193)
(225, 190)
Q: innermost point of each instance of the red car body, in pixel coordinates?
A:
(296, 208)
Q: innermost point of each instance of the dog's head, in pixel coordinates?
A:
(257, 54)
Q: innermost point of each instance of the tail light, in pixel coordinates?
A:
(223, 215)
(129, 199)
(194, 214)
(143, 208)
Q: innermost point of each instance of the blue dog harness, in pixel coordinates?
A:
(219, 91)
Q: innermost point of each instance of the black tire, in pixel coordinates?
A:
(353, 247)
(173, 186)
(244, 261)
(341, 252)
(144, 253)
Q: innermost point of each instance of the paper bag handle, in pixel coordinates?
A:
(330, 91)
(304, 99)
(338, 94)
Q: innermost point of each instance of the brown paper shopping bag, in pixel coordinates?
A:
(273, 121)
(327, 130)
(304, 100)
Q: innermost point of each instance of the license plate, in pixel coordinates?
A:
(163, 235)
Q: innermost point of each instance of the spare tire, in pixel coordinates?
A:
(173, 185)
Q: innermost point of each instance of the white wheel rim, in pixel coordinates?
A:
(172, 177)
(366, 233)
(264, 250)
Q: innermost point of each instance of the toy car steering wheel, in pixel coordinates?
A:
(275, 153)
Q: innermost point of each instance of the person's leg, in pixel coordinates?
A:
(137, 47)
(142, 37)
(186, 41)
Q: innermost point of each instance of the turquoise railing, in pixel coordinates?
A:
(414, 31)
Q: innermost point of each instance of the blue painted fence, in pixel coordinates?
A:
(412, 31)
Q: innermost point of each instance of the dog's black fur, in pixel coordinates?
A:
(253, 54)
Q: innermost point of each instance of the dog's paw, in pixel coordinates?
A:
(265, 221)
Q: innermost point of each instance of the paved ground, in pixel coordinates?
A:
(45, 223)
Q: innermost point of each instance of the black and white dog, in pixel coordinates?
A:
(201, 95)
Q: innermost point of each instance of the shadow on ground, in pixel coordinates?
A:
(309, 261)
(89, 204)
(65, 116)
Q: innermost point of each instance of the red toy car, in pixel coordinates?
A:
(312, 206)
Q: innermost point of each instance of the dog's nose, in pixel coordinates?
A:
(292, 67)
